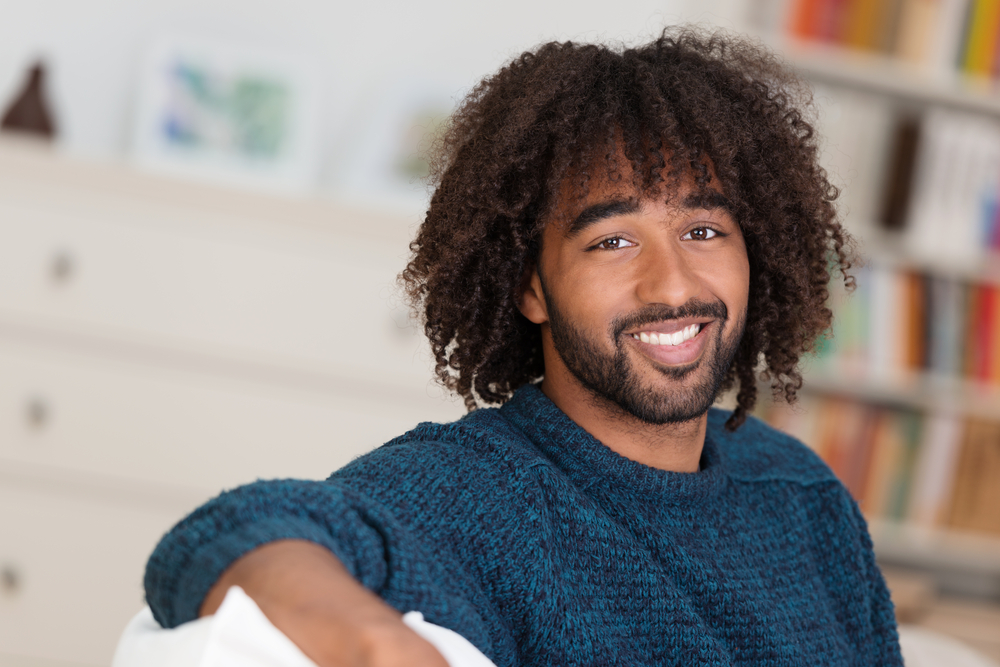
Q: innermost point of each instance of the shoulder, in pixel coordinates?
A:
(482, 442)
(757, 452)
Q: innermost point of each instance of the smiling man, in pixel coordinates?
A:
(642, 312)
(615, 237)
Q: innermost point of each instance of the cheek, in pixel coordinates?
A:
(589, 298)
(730, 281)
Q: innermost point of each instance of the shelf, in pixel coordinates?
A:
(887, 249)
(30, 169)
(888, 77)
(963, 563)
(930, 393)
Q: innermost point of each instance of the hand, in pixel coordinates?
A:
(308, 594)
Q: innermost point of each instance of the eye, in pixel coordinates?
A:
(700, 234)
(612, 243)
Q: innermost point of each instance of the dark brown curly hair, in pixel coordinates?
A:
(689, 103)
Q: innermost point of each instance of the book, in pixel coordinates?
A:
(909, 425)
(972, 356)
(946, 311)
(805, 18)
(899, 181)
(956, 188)
(917, 29)
(887, 453)
(992, 340)
(975, 501)
(983, 343)
(886, 328)
(981, 38)
(946, 41)
(934, 471)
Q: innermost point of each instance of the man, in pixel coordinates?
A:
(638, 230)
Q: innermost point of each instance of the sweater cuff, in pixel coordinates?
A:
(214, 558)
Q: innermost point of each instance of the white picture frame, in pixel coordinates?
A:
(228, 113)
(383, 162)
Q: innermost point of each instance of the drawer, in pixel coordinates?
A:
(317, 299)
(70, 574)
(181, 427)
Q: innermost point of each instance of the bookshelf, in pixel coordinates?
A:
(879, 397)
(920, 391)
(966, 561)
(886, 76)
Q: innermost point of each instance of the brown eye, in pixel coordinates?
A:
(701, 234)
(613, 243)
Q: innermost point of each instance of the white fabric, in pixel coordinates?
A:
(456, 649)
(926, 648)
(239, 635)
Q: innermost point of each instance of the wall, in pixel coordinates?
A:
(94, 46)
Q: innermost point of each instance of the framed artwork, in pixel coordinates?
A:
(385, 162)
(228, 113)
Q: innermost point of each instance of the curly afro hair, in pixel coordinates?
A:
(709, 105)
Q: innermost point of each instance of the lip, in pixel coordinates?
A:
(684, 354)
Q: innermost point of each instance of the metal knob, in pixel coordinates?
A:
(10, 579)
(37, 413)
(62, 267)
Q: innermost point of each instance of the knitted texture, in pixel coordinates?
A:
(520, 531)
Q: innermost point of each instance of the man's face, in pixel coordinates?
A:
(642, 303)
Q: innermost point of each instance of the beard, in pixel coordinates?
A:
(611, 379)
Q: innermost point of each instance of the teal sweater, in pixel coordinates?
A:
(520, 531)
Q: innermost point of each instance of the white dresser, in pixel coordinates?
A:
(160, 341)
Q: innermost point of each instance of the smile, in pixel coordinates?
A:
(675, 338)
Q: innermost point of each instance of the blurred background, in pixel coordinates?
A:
(204, 206)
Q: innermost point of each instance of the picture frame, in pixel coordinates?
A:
(228, 113)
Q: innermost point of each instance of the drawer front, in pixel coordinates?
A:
(184, 428)
(318, 300)
(70, 574)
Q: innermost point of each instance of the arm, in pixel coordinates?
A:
(308, 594)
(385, 518)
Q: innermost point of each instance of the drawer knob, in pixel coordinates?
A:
(37, 413)
(10, 580)
(63, 267)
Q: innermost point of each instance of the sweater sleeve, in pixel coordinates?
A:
(884, 640)
(195, 553)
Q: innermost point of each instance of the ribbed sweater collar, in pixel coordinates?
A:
(592, 465)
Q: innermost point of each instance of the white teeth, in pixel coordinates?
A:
(676, 338)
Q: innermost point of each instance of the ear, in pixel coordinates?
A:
(531, 299)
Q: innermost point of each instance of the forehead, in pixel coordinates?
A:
(607, 177)
(581, 206)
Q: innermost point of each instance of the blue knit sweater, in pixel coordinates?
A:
(520, 531)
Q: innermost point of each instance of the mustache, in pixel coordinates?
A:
(659, 312)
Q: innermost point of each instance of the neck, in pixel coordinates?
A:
(671, 447)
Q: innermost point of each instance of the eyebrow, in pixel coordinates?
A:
(601, 211)
(708, 200)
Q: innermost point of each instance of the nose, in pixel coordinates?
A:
(667, 277)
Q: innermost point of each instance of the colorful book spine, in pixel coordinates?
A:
(981, 40)
(944, 36)
(932, 470)
(805, 19)
(901, 323)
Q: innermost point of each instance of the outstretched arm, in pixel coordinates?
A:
(308, 594)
